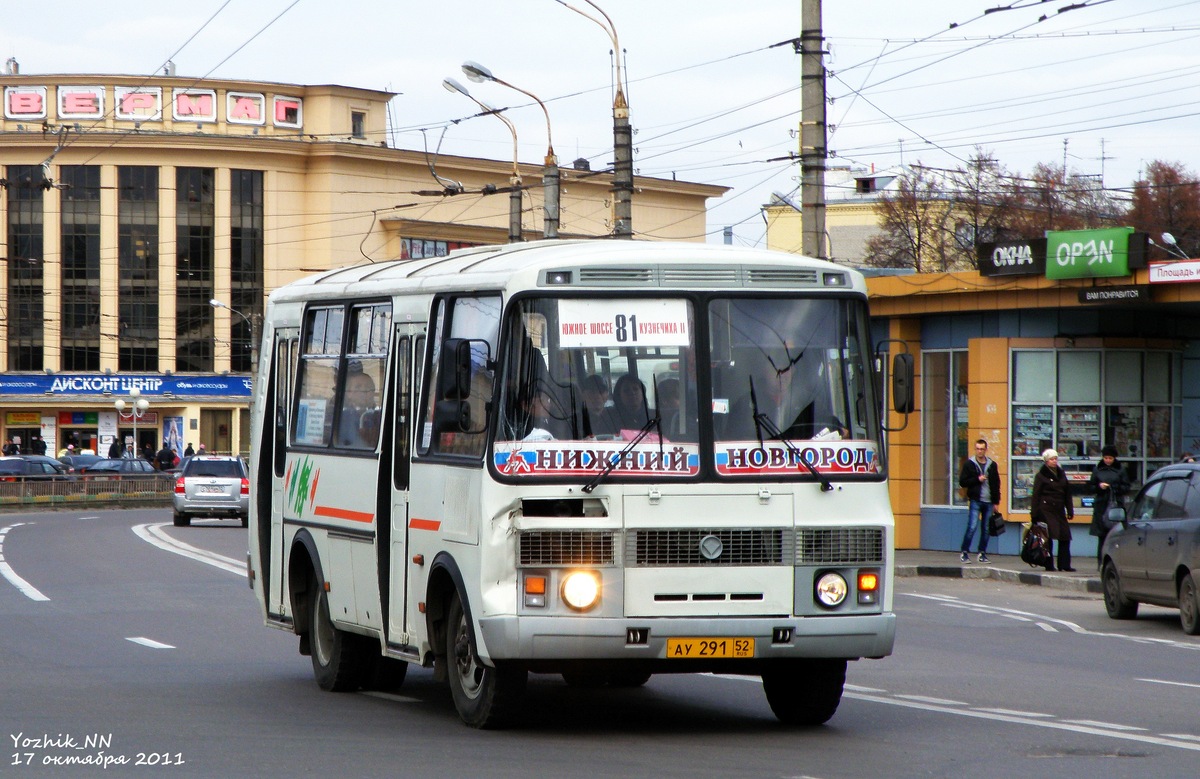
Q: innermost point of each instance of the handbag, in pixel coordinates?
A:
(996, 524)
(1034, 547)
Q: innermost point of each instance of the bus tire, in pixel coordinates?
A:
(387, 674)
(337, 656)
(805, 693)
(485, 696)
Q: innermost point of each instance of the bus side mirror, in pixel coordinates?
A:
(452, 416)
(902, 383)
(454, 373)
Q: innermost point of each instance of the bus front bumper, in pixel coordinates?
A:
(534, 640)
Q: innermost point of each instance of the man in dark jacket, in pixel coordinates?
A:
(1109, 481)
(981, 479)
(165, 459)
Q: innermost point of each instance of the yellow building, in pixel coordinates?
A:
(144, 220)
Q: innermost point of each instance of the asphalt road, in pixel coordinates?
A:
(124, 638)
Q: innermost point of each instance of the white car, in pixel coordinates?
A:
(212, 486)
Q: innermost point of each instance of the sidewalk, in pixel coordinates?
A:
(1005, 568)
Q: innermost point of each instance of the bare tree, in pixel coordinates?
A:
(914, 225)
(1167, 200)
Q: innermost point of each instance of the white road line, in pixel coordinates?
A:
(1164, 740)
(24, 587)
(1097, 724)
(1107, 730)
(387, 696)
(1165, 681)
(152, 533)
(149, 642)
(935, 701)
(1183, 736)
(1011, 712)
(1045, 622)
(1047, 628)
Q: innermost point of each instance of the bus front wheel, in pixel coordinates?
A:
(485, 696)
(337, 656)
(805, 692)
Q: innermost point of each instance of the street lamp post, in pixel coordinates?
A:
(253, 334)
(550, 179)
(622, 132)
(514, 196)
(137, 406)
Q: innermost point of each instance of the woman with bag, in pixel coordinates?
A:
(1052, 506)
(1110, 483)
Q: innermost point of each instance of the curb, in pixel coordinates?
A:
(1058, 581)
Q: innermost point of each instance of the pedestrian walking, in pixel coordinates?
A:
(1110, 482)
(980, 477)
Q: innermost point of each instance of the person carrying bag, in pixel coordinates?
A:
(1109, 481)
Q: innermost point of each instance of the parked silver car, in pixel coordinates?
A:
(1153, 556)
(211, 486)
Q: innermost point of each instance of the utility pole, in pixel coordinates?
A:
(813, 149)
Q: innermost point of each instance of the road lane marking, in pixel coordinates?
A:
(1047, 628)
(925, 699)
(1045, 622)
(1012, 712)
(149, 642)
(1165, 681)
(1106, 730)
(1097, 724)
(152, 533)
(24, 587)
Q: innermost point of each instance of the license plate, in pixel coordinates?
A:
(709, 647)
(212, 490)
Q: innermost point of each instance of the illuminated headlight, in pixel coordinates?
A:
(581, 589)
(831, 589)
(833, 279)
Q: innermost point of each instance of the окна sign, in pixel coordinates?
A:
(1079, 254)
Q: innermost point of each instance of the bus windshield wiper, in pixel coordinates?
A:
(610, 464)
(763, 422)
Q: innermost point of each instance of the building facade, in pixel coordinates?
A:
(143, 221)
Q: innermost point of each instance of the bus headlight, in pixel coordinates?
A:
(831, 589)
(581, 589)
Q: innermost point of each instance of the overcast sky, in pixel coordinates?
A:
(711, 99)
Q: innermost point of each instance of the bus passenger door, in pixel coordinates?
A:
(410, 340)
(284, 367)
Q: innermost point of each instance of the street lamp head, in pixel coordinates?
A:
(142, 404)
(217, 304)
(134, 392)
(451, 85)
(476, 72)
(1168, 239)
(119, 405)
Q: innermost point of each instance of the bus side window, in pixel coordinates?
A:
(312, 423)
(476, 319)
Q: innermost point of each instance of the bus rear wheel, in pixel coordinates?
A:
(485, 696)
(337, 656)
(805, 692)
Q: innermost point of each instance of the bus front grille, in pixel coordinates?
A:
(715, 546)
(839, 545)
(566, 547)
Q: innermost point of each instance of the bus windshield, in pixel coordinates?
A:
(771, 381)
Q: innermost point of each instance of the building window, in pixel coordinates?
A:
(945, 430)
(417, 249)
(358, 124)
(137, 259)
(25, 188)
(246, 264)
(1079, 401)
(193, 269)
(80, 195)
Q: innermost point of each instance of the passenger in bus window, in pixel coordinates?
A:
(358, 426)
(601, 419)
(629, 402)
(543, 418)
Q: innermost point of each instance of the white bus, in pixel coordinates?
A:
(599, 459)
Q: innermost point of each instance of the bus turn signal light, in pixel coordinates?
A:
(868, 587)
(535, 591)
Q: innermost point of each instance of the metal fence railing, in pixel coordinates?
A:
(126, 490)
